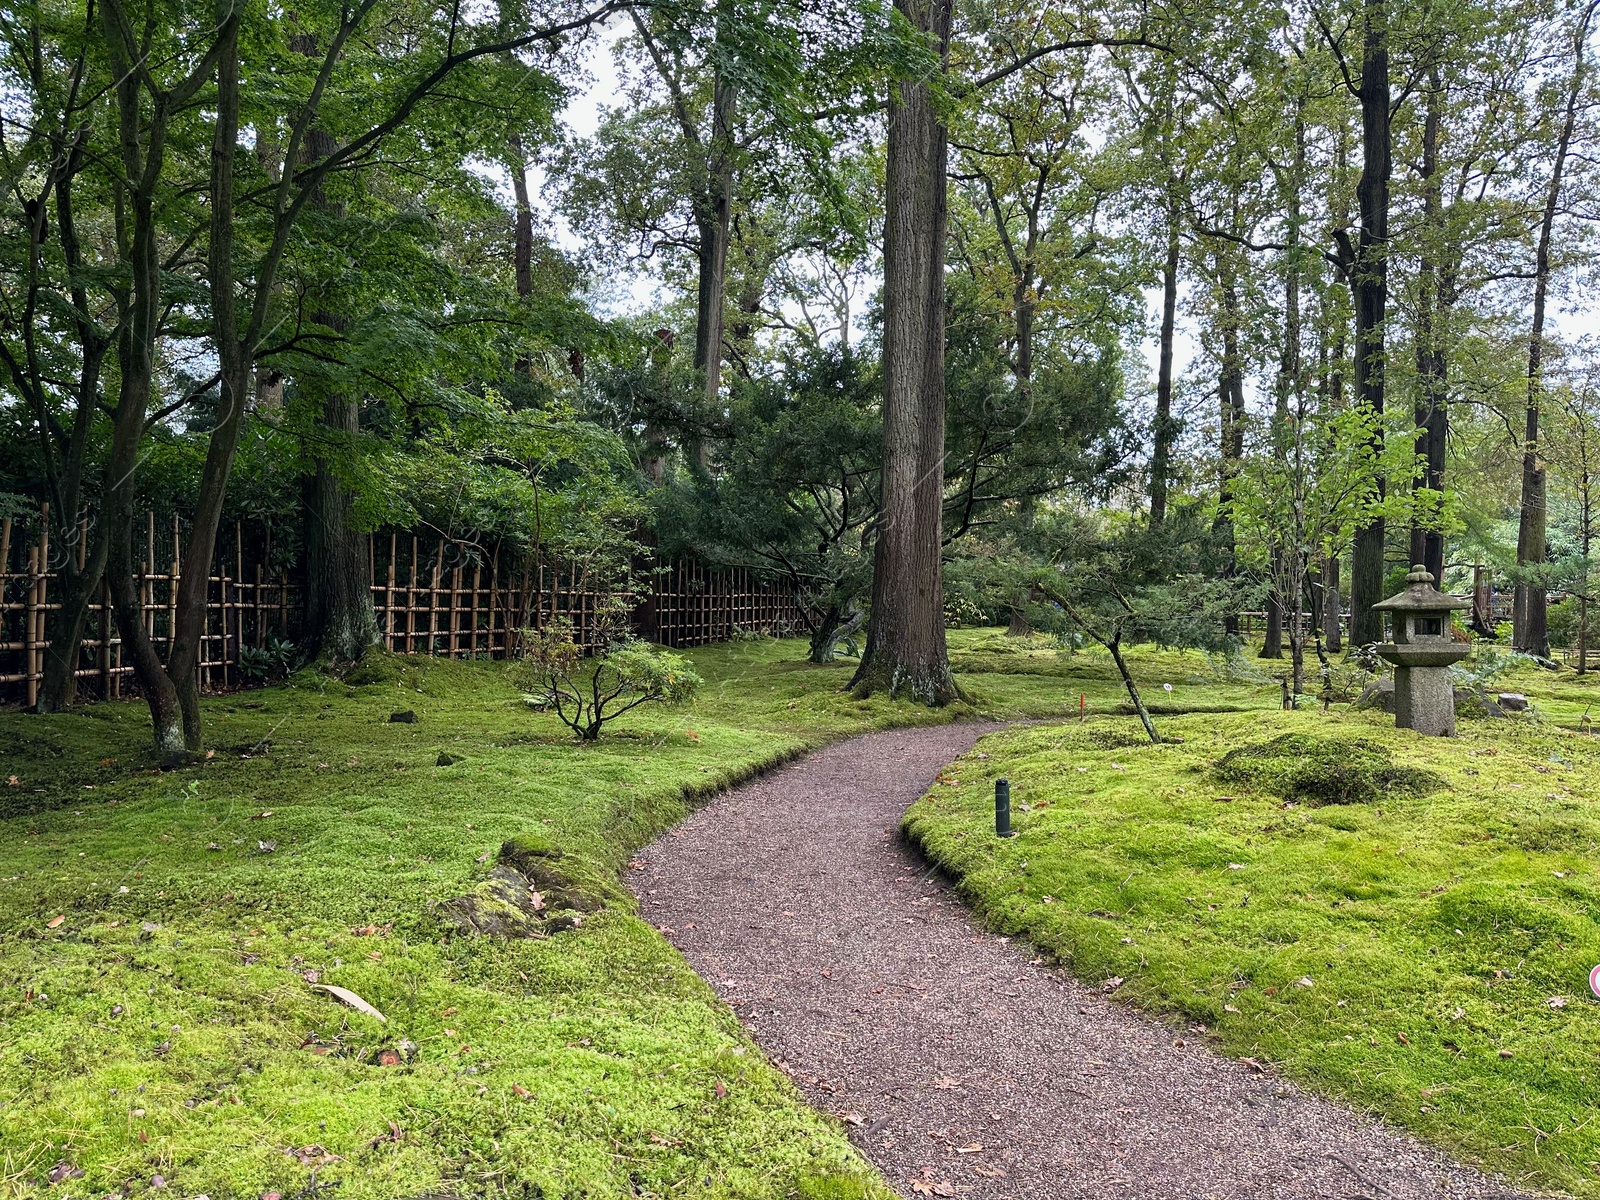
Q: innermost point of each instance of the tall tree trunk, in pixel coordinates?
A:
(1432, 412)
(1332, 603)
(142, 147)
(1368, 273)
(521, 232)
(905, 652)
(1230, 396)
(522, 228)
(76, 581)
(1164, 429)
(714, 226)
(340, 621)
(1530, 625)
(235, 388)
(1288, 438)
(1332, 596)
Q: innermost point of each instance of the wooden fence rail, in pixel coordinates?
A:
(433, 595)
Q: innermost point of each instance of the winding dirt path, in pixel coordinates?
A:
(972, 1071)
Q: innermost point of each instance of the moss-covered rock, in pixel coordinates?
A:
(535, 889)
(1324, 770)
(566, 879)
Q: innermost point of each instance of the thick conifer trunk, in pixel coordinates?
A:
(1530, 623)
(905, 653)
(1231, 415)
(1164, 428)
(1368, 272)
(1431, 410)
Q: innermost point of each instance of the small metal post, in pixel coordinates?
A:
(1002, 808)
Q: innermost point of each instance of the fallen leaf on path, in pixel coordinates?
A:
(365, 931)
(851, 1118)
(926, 1188)
(945, 1083)
(975, 1148)
(1402, 1039)
(262, 815)
(1112, 984)
(1255, 1065)
(350, 998)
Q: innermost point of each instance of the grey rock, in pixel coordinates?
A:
(1474, 701)
(1377, 695)
(408, 717)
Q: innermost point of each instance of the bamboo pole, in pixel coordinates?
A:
(30, 611)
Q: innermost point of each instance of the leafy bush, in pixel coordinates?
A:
(271, 660)
(961, 611)
(1318, 771)
(1488, 664)
(586, 693)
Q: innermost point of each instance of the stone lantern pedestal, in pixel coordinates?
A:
(1422, 651)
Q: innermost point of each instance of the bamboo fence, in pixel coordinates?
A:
(433, 595)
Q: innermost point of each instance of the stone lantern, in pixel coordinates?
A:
(1422, 651)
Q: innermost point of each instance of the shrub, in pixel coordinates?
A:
(270, 661)
(1317, 771)
(586, 693)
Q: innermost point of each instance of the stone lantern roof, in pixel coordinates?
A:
(1421, 596)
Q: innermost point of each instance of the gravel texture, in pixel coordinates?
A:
(961, 1067)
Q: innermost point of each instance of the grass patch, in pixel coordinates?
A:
(167, 1024)
(1423, 954)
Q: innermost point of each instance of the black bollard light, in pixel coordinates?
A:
(1002, 808)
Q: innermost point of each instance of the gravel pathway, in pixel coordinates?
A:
(963, 1068)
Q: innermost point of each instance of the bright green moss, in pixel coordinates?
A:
(1423, 955)
(211, 1012)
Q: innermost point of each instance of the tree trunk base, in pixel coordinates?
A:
(927, 683)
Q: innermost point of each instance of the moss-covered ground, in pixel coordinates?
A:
(160, 934)
(1423, 953)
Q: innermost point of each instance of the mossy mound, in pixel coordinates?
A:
(535, 889)
(1324, 770)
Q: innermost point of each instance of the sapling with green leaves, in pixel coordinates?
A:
(1311, 497)
(586, 693)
